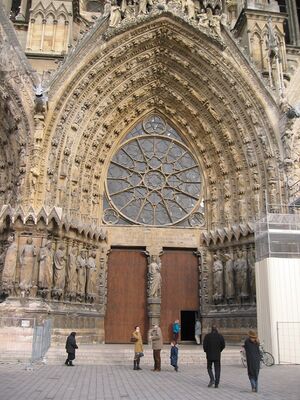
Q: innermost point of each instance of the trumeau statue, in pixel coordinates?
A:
(154, 277)
(218, 291)
(81, 271)
(59, 272)
(46, 268)
(27, 260)
(9, 269)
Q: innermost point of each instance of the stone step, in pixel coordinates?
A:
(116, 355)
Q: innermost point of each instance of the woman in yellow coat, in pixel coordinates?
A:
(138, 348)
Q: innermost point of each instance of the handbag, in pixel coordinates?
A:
(133, 339)
(140, 354)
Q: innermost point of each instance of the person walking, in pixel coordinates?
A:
(157, 344)
(213, 345)
(198, 331)
(174, 356)
(138, 348)
(251, 346)
(176, 330)
(71, 347)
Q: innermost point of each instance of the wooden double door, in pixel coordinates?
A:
(127, 292)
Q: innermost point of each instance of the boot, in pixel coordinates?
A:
(67, 362)
(71, 364)
(134, 365)
(138, 364)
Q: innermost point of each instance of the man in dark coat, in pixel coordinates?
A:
(253, 359)
(213, 345)
(71, 346)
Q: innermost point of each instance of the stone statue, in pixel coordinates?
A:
(191, 9)
(9, 269)
(229, 278)
(81, 271)
(218, 291)
(154, 277)
(59, 272)
(107, 7)
(91, 279)
(115, 14)
(251, 266)
(40, 101)
(46, 269)
(72, 274)
(143, 5)
(240, 268)
(27, 260)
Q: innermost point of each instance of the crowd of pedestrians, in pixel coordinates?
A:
(213, 345)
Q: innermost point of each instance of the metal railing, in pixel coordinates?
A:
(288, 337)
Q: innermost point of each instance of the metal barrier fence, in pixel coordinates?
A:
(22, 340)
(288, 336)
(41, 340)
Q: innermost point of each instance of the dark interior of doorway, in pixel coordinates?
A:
(188, 319)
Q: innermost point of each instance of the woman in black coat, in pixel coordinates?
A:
(253, 359)
(71, 346)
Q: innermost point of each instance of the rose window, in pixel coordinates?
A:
(153, 179)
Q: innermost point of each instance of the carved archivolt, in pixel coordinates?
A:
(198, 83)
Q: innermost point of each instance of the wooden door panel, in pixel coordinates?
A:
(126, 295)
(180, 287)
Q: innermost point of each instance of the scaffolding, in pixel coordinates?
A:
(277, 233)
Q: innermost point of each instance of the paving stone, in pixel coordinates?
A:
(88, 382)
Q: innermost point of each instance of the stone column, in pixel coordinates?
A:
(154, 285)
(294, 28)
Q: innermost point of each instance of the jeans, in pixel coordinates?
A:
(254, 383)
(217, 367)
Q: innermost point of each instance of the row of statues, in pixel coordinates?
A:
(117, 10)
(234, 277)
(59, 274)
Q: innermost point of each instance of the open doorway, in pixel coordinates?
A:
(188, 319)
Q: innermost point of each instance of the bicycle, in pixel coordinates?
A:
(266, 358)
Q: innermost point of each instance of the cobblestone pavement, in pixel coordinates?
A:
(121, 382)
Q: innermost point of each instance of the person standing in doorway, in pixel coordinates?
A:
(213, 345)
(71, 347)
(174, 356)
(176, 330)
(138, 348)
(253, 359)
(198, 331)
(157, 344)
